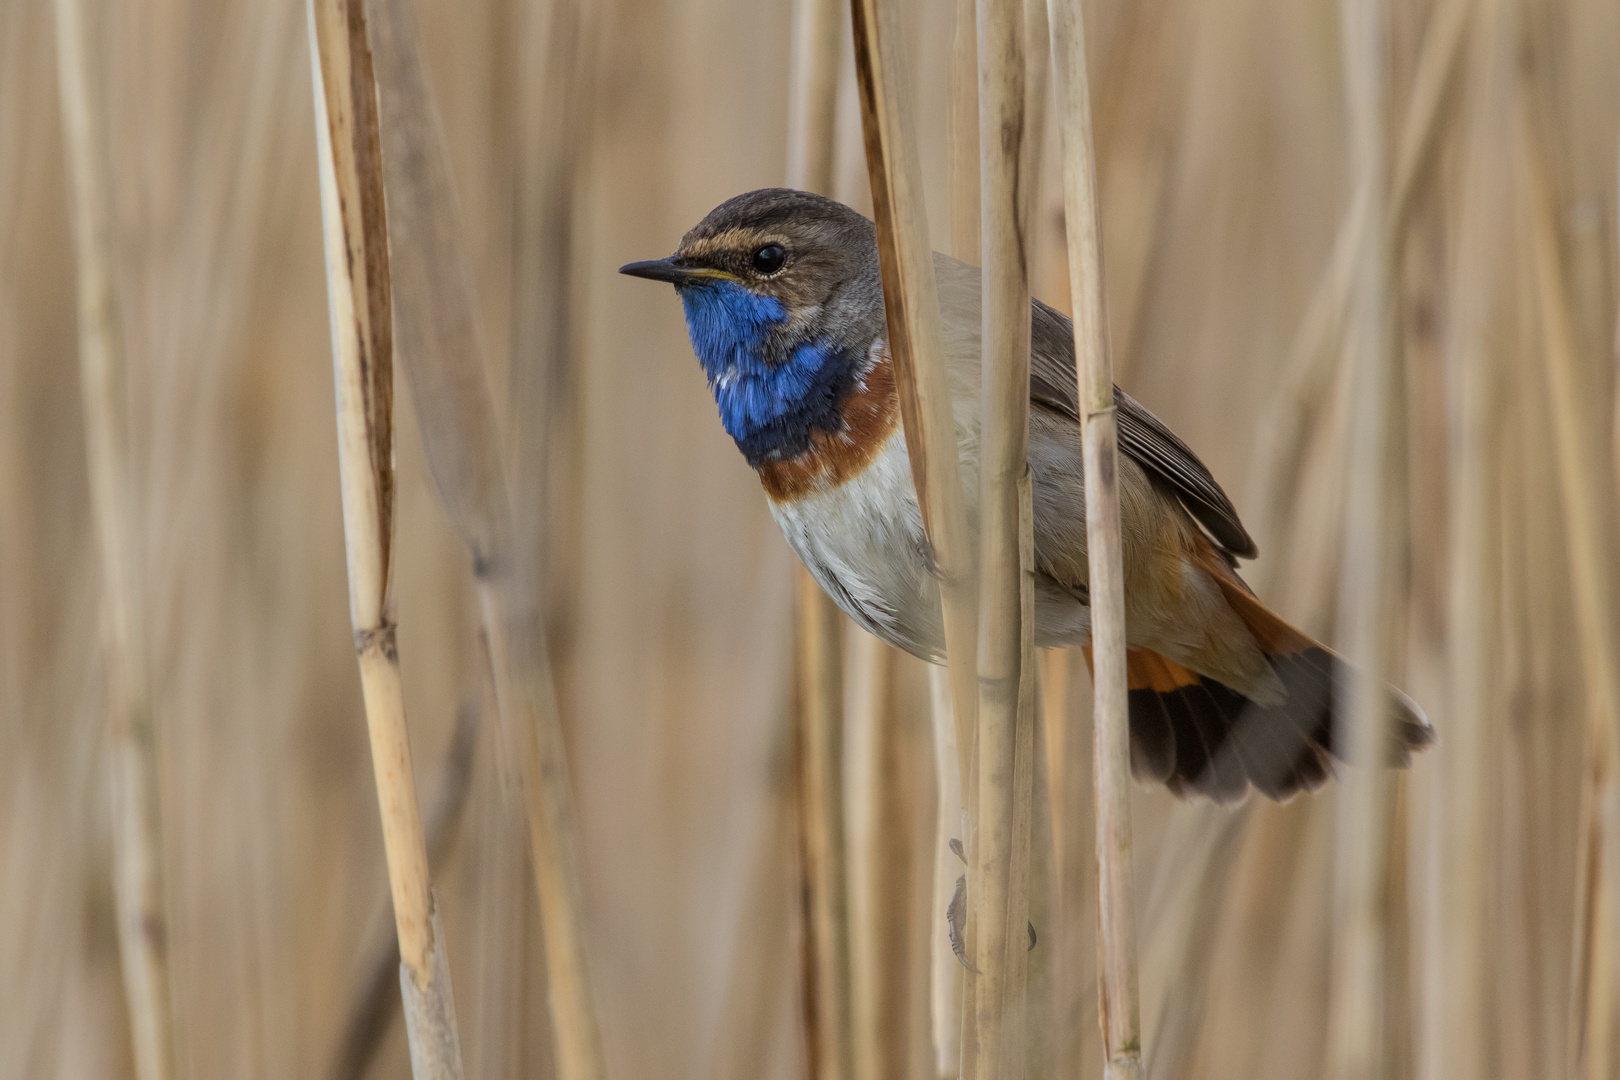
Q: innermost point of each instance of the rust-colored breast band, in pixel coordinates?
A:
(871, 415)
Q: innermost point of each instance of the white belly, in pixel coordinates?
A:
(863, 542)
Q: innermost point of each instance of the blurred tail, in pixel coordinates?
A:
(1194, 734)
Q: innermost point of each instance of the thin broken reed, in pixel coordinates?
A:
(360, 306)
(132, 773)
(1119, 998)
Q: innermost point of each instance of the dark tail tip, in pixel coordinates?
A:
(1203, 737)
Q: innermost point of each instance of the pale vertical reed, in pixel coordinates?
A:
(550, 143)
(998, 891)
(954, 1045)
(1182, 927)
(822, 833)
(376, 998)
(962, 153)
(946, 975)
(442, 352)
(545, 413)
(360, 304)
(1457, 1032)
(884, 815)
(1118, 1000)
(132, 733)
(1367, 586)
(916, 341)
(917, 349)
(813, 95)
(1588, 510)
(819, 706)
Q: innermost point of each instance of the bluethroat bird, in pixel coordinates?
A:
(784, 305)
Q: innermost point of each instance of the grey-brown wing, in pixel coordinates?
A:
(1141, 434)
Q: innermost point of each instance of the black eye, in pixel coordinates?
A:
(769, 259)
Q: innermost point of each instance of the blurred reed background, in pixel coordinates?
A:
(586, 134)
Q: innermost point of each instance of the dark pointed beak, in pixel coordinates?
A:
(673, 270)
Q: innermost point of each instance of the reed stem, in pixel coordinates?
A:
(1589, 508)
(1118, 998)
(917, 350)
(360, 305)
(1458, 1040)
(963, 149)
(138, 870)
(1366, 605)
(823, 851)
(819, 715)
(999, 848)
(375, 1000)
(884, 769)
(443, 356)
(955, 1042)
(916, 340)
(947, 976)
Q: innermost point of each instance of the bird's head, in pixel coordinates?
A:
(783, 302)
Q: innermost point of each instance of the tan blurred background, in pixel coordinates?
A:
(1221, 131)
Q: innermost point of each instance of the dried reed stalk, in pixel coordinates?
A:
(1182, 925)
(376, 997)
(1118, 1000)
(544, 410)
(138, 872)
(883, 818)
(916, 340)
(1456, 1037)
(946, 975)
(917, 348)
(1056, 681)
(1588, 507)
(819, 712)
(963, 148)
(813, 95)
(822, 850)
(998, 850)
(954, 1043)
(360, 303)
(443, 356)
(1366, 595)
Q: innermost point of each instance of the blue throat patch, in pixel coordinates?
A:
(769, 405)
